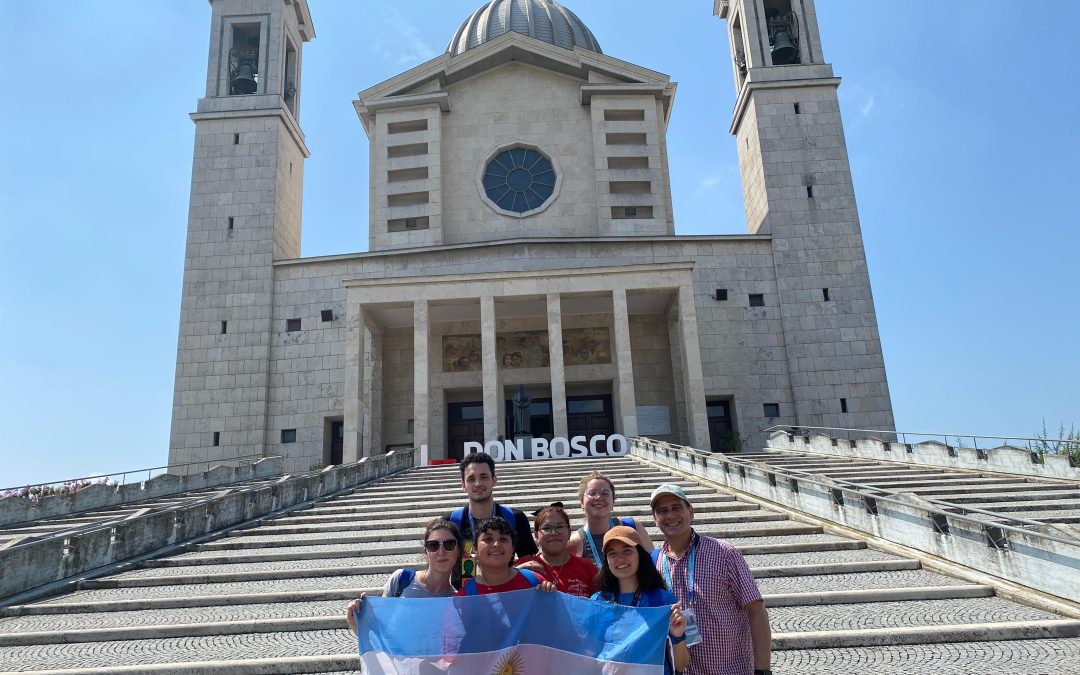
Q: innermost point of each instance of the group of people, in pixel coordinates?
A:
(718, 623)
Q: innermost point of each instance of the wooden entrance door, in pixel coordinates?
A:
(465, 423)
(720, 427)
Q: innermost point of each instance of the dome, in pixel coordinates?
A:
(540, 19)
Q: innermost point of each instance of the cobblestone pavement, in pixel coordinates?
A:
(1007, 657)
(223, 589)
(855, 581)
(897, 614)
(172, 650)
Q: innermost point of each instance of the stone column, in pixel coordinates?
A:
(372, 392)
(627, 412)
(693, 378)
(354, 381)
(558, 367)
(490, 376)
(421, 370)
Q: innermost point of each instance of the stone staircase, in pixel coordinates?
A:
(1010, 496)
(271, 598)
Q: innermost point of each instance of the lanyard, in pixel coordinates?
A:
(472, 522)
(634, 600)
(689, 572)
(592, 544)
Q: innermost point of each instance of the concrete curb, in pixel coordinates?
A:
(176, 630)
(879, 595)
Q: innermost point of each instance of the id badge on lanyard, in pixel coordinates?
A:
(693, 633)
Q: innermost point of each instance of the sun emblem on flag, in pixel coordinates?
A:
(509, 664)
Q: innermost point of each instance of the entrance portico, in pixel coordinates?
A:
(417, 347)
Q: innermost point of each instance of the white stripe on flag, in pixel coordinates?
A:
(520, 660)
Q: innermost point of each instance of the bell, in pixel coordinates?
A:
(784, 52)
(244, 80)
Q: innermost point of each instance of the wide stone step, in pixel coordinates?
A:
(431, 511)
(455, 494)
(1009, 496)
(412, 528)
(1060, 656)
(764, 565)
(1031, 506)
(250, 653)
(324, 551)
(865, 580)
(929, 634)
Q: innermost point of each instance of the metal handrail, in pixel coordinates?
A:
(862, 493)
(124, 474)
(798, 429)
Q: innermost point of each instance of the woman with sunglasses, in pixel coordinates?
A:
(571, 574)
(597, 495)
(443, 544)
(630, 578)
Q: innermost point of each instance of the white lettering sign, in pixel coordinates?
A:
(614, 445)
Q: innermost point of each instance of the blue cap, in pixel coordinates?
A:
(669, 489)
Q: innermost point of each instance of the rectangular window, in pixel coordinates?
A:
(407, 150)
(236, 139)
(406, 127)
(623, 212)
(843, 405)
(825, 294)
(224, 327)
(217, 438)
(796, 108)
(292, 325)
(231, 222)
(243, 59)
(288, 435)
(629, 186)
(757, 299)
(398, 175)
(628, 162)
(404, 224)
(407, 199)
(810, 191)
(617, 115)
(625, 139)
(720, 294)
(772, 410)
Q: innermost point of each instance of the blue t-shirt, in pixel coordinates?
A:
(657, 597)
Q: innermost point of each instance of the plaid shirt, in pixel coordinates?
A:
(723, 587)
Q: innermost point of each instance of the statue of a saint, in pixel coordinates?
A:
(522, 414)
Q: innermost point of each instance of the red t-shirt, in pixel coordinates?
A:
(577, 576)
(518, 582)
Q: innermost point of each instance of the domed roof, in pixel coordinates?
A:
(541, 19)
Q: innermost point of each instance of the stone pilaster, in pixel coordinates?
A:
(626, 415)
(492, 390)
(421, 372)
(558, 367)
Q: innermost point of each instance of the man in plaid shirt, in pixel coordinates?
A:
(711, 577)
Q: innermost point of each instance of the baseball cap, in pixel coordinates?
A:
(669, 489)
(626, 535)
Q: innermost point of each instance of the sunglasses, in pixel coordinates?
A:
(432, 545)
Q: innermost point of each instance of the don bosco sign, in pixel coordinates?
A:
(520, 449)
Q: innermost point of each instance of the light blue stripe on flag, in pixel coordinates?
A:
(510, 633)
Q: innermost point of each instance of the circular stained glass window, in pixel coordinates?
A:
(519, 180)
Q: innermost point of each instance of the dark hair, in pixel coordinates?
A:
(595, 475)
(547, 512)
(498, 524)
(444, 524)
(475, 457)
(648, 578)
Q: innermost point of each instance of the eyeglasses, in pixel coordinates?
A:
(432, 545)
(551, 529)
(598, 493)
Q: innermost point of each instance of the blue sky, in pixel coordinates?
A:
(960, 128)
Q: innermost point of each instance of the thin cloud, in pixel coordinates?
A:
(401, 42)
(867, 105)
(710, 183)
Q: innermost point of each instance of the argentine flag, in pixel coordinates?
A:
(510, 634)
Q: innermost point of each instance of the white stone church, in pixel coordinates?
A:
(521, 235)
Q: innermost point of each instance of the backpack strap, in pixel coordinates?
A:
(531, 577)
(405, 578)
(470, 587)
(507, 514)
(457, 517)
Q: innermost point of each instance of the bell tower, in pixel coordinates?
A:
(246, 188)
(797, 188)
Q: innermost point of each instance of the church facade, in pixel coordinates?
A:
(521, 238)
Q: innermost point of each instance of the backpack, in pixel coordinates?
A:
(457, 517)
(404, 579)
(530, 576)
